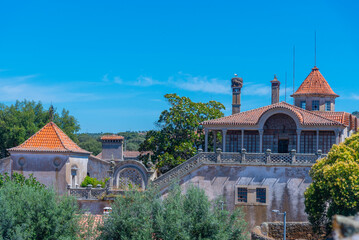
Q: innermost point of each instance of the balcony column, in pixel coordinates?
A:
(260, 140)
(299, 131)
(224, 133)
(337, 136)
(242, 139)
(205, 140)
(317, 140)
(214, 140)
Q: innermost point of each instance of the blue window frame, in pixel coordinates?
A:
(327, 106)
(315, 105)
(261, 195)
(302, 104)
(242, 195)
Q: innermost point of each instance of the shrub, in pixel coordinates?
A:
(93, 181)
(143, 215)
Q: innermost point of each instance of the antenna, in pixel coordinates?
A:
(293, 70)
(285, 88)
(315, 48)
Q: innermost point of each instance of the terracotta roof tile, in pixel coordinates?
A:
(252, 117)
(315, 84)
(112, 137)
(50, 138)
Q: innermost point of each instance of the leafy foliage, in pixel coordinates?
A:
(29, 212)
(90, 142)
(335, 186)
(93, 181)
(356, 113)
(24, 118)
(143, 215)
(21, 180)
(179, 135)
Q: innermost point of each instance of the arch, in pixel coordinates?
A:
(297, 118)
(128, 177)
(137, 169)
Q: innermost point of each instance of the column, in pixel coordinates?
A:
(337, 136)
(205, 140)
(224, 133)
(317, 140)
(214, 140)
(260, 140)
(242, 139)
(298, 140)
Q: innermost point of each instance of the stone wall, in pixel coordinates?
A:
(5, 165)
(285, 188)
(294, 231)
(98, 168)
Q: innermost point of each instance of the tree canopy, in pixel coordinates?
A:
(21, 120)
(179, 135)
(356, 113)
(189, 216)
(335, 186)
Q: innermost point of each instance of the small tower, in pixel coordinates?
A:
(112, 147)
(275, 90)
(237, 84)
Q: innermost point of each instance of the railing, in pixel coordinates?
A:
(267, 158)
(91, 193)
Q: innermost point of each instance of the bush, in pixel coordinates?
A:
(335, 186)
(28, 212)
(20, 179)
(93, 181)
(143, 215)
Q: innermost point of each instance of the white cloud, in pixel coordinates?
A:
(146, 82)
(355, 97)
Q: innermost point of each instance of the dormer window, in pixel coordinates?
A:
(315, 105)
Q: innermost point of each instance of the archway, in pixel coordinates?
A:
(129, 178)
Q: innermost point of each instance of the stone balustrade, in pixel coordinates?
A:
(91, 193)
(243, 158)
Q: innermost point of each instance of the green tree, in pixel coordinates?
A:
(29, 212)
(90, 143)
(21, 180)
(356, 113)
(143, 215)
(179, 134)
(24, 118)
(335, 186)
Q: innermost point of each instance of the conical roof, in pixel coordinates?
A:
(315, 84)
(50, 138)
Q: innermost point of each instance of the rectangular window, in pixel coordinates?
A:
(315, 105)
(327, 106)
(302, 104)
(261, 195)
(242, 194)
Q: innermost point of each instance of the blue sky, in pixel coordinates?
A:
(111, 62)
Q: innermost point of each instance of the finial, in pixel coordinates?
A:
(51, 113)
(275, 76)
(236, 74)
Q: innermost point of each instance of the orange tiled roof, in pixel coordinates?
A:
(315, 84)
(112, 137)
(252, 117)
(50, 138)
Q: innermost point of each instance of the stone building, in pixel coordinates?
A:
(55, 160)
(264, 158)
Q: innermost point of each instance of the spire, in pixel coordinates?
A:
(51, 113)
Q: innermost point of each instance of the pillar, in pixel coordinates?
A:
(317, 140)
(214, 140)
(337, 136)
(260, 140)
(224, 133)
(242, 139)
(205, 140)
(299, 131)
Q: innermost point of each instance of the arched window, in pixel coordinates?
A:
(130, 178)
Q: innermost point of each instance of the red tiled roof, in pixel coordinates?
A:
(252, 117)
(315, 84)
(112, 137)
(50, 138)
(345, 118)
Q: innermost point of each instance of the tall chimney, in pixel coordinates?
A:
(112, 147)
(237, 84)
(275, 90)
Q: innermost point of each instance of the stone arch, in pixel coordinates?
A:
(130, 173)
(294, 116)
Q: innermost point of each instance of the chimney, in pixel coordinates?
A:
(112, 147)
(237, 84)
(275, 90)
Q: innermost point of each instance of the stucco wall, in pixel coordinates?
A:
(5, 165)
(81, 163)
(98, 168)
(286, 186)
(42, 166)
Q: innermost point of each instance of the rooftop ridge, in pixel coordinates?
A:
(53, 126)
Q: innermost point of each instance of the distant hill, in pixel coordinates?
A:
(356, 113)
(91, 141)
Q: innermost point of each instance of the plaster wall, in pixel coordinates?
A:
(286, 186)
(322, 101)
(49, 169)
(5, 165)
(98, 168)
(112, 150)
(81, 163)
